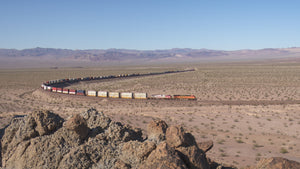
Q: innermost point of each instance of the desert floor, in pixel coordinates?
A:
(249, 110)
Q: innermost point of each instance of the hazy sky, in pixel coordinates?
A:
(150, 24)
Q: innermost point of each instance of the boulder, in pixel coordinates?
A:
(156, 130)
(163, 157)
(78, 125)
(176, 136)
(96, 121)
(46, 122)
(134, 152)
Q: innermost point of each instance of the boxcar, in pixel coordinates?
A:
(66, 91)
(91, 93)
(126, 95)
(140, 95)
(49, 88)
(102, 94)
(72, 91)
(59, 90)
(54, 89)
(80, 92)
(114, 94)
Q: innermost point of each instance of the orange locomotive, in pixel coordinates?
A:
(187, 97)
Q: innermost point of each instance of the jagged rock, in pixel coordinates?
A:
(185, 144)
(92, 140)
(134, 152)
(38, 123)
(23, 129)
(206, 145)
(43, 151)
(122, 133)
(46, 122)
(193, 157)
(156, 130)
(76, 158)
(175, 137)
(163, 157)
(78, 125)
(277, 163)
(96, 121)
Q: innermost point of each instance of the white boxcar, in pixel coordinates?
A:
(126, 95)
(114, 94)
(91, 93)
(49, 88)
(102, 94)
(140, 95)
(65, 91)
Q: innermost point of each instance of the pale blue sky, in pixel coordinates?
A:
(149, 24)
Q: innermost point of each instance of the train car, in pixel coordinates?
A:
(126, 95)
(91, 93)
(54, 89)
(59, 90)
(80, 92)
(65, 91)
(114, 94)
(86, 78)
(140, 95)
(49, 88)
(72, 91)
(185, 97)
(161, 96)
(102, 94)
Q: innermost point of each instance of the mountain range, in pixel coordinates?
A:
(54, 56)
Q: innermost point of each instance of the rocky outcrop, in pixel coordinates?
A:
(42, 139)
(276, 163)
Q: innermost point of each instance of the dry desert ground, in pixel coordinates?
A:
(249, 110)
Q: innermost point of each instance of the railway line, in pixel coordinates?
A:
(178, 103)
(61, 86)
(181, 100)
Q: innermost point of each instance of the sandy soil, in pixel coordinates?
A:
(250, 111)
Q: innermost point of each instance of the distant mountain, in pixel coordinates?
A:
(127, 56)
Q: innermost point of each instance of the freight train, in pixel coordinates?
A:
(49, 86)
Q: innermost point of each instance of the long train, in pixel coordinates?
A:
(49, 86)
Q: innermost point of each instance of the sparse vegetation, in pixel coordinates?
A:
(246, 90)
(283, 150)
